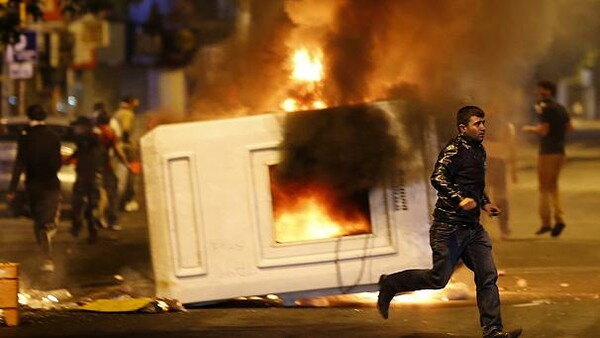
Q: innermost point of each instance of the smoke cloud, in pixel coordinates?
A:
(446, 52)
(351, 148)
(450, 51)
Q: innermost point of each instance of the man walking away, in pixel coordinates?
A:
(87, 160)
(459, 178)
(38, 156)
(110, 145)
(554, 122)
(125, 118)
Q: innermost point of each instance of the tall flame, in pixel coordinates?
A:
(308, 66)
(307, 76)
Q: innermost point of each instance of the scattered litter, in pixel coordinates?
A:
(119, 278)
(62, 299)
(128, 304)
(534, 303)
(47, 300)
(501, 272)
(522, 283)
(564, 285)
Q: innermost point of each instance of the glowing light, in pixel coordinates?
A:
(309, 223)
(52, 298)
(72, 100)
(305, 211)
(289, 105)
(308, 66)
(162, 305)
(319, 105)
(23, 298)
(416, 297)
(306, 88)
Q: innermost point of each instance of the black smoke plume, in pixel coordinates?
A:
(350, 148)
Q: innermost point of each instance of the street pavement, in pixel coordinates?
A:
(549, 286)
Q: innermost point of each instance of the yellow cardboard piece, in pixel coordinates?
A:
(117, 305)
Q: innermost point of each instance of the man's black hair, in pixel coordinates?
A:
(98, 106)
(102, 118)
(548, 85)
(83, 121)
(36, 113)
(464, 115)
(128, 99)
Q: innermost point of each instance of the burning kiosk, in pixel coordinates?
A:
(223, 226)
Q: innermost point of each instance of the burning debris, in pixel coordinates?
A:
(454, 291)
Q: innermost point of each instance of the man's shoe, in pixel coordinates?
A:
(48, 266)
(544, 229)
(383, 300)
(558, 229)
(115, 227)
(102, 223)
(499, 334)
(132, 206)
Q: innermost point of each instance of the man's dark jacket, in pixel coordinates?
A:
(38, 155)
(459, 172)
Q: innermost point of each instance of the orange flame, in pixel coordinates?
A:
(308, 66)
(309, 211)
(307, 76)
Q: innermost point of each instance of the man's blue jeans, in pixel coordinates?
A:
(450, 243)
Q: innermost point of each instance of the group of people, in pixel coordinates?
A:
(456, 232)
(99, 139)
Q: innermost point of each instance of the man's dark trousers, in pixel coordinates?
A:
(44, 204)
(449, 243)
(84, 204)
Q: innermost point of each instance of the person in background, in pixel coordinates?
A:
(97, 109)
(87, 167)
(456, 233)
(501, 164)
(554, 123)
(125, 118)
(110, 145)
(38, 156)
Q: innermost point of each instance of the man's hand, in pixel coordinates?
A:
(529, 129)
(10, 197)
(468, 204)
(491, 209)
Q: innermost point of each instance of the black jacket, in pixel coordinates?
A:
(88, 156)
(557, 117)
(459, 172)
(38, 155)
